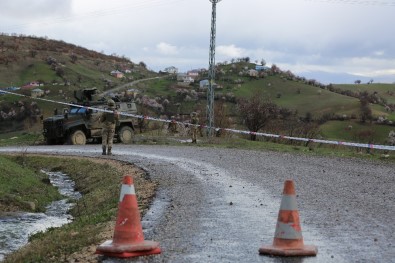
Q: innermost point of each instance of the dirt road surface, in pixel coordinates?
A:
(221, 205)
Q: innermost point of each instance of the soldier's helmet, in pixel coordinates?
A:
(111, 104)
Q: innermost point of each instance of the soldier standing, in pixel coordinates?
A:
(108, 120)
(194, 126)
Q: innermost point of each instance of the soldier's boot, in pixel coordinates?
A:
(109, 151)
(104, 150)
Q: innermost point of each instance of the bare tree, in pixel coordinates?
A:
(222, 119)
(257, 111)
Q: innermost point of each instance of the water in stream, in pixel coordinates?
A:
(16, 228)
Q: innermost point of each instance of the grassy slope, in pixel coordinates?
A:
(37, 70)
(338, 130)
(18, 65)
(285, 93)
(311, 99)
(381, 89)
(19, 185)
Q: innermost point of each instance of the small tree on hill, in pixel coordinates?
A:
(256, 111)
(366, 112)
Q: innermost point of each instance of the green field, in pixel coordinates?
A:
(301, 97)
(354, 131)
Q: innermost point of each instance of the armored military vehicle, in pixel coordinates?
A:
(79, 125)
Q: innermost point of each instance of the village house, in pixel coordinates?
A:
(193, 73)
(32, 84)
(188, 79)
(37, 93)
(117, 74)
(203, 84)
(261, 68)
(184, 78)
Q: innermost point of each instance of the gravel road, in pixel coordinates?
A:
(221, 205)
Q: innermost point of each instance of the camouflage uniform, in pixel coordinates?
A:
(194, 128)
(108, 120)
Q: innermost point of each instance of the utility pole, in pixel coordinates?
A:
(211, 72)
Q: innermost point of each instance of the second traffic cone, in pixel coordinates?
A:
(128, 240)
(288, 240)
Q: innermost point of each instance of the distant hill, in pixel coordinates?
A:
(345, 78)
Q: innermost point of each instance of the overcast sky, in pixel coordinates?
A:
(327, 40)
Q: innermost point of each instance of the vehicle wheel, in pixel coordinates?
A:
(126, 134)
(78, 138)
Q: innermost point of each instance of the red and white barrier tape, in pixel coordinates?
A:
(352, 144)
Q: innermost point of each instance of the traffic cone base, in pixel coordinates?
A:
(288, 239)
(288, 252)
(144, 248)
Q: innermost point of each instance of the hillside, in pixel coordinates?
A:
(26, 59)
(337, 113)
(61, 68)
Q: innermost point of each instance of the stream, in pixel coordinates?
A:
(15, 228)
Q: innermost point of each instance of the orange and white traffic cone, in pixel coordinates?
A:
(288, 240)
(128, 240)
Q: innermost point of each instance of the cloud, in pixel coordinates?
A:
(166, 49)
(230, 51)
(379, 53)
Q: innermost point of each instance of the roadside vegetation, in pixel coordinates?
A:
(94, 214)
